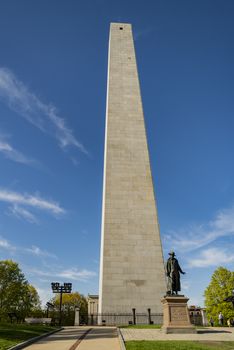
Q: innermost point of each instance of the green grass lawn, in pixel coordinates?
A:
(12, 334)
(178, 345)
(142, 326)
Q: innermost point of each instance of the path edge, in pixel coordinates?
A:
(33, 340)
(121, 339)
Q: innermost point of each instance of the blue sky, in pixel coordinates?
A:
(53, 69)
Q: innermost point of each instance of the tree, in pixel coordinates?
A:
(69, 302)
(16, 294)
(29, 302)
(220, 287)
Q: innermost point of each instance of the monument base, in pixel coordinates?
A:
(175, 315)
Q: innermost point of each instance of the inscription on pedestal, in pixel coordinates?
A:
(178, 314)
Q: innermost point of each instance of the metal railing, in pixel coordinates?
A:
(124, 318)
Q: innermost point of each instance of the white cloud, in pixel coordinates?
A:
(5, 244)
(212, 257)
(9, 152)
(19, 212)
(142, 33)
(75, 274)
(45, 117)
(224, 221)
(46, 277)
(186, 285)
(34, 201)
(75, 161)
(198, 236)
(69, 274)
(33, 250)
(38, 272)
(44, 294)
(197, 301)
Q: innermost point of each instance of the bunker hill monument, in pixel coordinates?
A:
(132, 272)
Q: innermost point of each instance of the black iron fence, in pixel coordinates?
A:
(125, 319)
(133, 318)
(196, 320)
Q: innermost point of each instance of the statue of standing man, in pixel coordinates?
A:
(173, 271)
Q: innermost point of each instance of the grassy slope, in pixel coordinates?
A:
(12, 334)
(178, 345)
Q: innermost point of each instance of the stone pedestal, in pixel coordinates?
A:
(176, 315)
(77, 316)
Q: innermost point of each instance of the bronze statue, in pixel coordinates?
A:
(173, 271)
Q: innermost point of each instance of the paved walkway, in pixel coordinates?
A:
(106, 338)
(71, 338)
(206, 334)
(101, 338)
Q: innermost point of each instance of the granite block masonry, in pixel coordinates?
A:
(131, 266)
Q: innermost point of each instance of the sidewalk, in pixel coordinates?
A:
(98, 338)
(62, 340)
(206, 334)
(106, 338)
(101, 338)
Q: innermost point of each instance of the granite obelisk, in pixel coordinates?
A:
(131, 267)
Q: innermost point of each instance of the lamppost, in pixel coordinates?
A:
(49, 305)
(57, 288)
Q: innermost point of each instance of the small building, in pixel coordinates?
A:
(198, 315)
(92, 301)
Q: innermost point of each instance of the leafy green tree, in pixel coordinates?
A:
(220, 287)
(16, 294)
(29, 302)
(69, 302)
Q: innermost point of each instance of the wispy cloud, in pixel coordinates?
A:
(44, 293)
(11, 153)
(198, 301)
(25, 214)
(212, 257)
(142, 33)
(43, 116)
(186, 285)
(70, 274)
(33, 250)
(75, 161)
(75, 274)
(33, 201)
(5, 244)
(198, 236)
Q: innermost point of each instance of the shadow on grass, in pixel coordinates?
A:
(22, 331)
(203, 331)
(178, 345)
